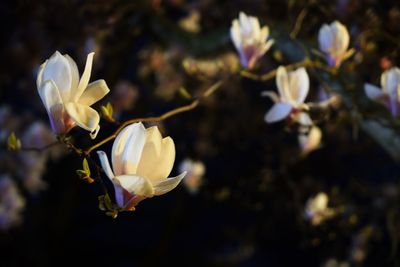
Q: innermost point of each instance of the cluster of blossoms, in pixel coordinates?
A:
(142, 159)
(252, 42)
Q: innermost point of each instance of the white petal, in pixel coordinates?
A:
(266, 47)
(299, 84)
(168, 184)
(135, 185)
(278, 112)
(325, 38)
(58, 70)
(127, 149)
(151, 153)
(49, 95)
(83, 83)
(158, 168)
(272, 95)
(341, 37)
(94, 133)
(53, 103)
(94, 92)
(39, 79)
(119, 194)
(74, 72)
(255, 27)
(105, 164)
(235, 34)
(311, 141)
(84, 116)
(373, 92)
(264, 34)
(244, 23)
(390, 79)
(282, 82)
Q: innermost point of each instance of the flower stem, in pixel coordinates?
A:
(162, 117)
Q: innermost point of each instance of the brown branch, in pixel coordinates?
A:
(162, 117)
(298, 23)
(305, 63)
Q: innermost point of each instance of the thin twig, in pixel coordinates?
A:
(162, 117)
(298, 23)
(305, 63)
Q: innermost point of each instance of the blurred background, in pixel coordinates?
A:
(250, 200)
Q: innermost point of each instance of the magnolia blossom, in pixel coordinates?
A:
(67, 98)
(142, 161)
(310, 141)
(249, 39)
(335, 263)
(389, 94)
(333, 41)
(195, 171)
(317, 209)
(293, 88)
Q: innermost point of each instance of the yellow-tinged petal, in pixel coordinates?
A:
(94, 92)
(167, 185)
(162, 165)
(299, 84)
(84, 81)
(127, 149)
(74, 72)
(135, 185)
(84, 116)
(282, 82)
(39, 79)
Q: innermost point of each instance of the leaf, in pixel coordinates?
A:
(184, 93)
(13, 143)
(107, 112)
(85, 165)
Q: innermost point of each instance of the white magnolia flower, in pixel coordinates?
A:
(335, 263)
(142, 161)
(389, 94)
(195, 171)
(67, 98)
(317, 209)
(249, 39)
(333, 41)
(310, 141)
(293, 88)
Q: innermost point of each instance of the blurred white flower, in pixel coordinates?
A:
(334, 41)
(67, 98)
(335, 263)
(389, 94)
(195, 171)
(293, 88)
(249, 39)
(310, 141)
(317, 210)
(142, 161)
(12, 203)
